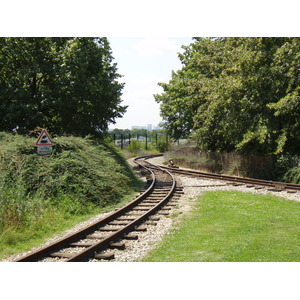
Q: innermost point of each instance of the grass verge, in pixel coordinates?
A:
(53, 221)
(234, 227)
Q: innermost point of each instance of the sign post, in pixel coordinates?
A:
(44, 143)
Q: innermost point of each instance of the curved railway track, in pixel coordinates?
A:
(270, 185)
(160, 194)
(92, 242)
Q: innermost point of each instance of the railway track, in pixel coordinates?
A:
(270, 185)
(93, 242)
(159, 195)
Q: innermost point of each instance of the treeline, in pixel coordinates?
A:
(236, 94)
(136, 132)
(67, 85)
(135, 140)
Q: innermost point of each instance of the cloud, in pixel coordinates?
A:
(155, 46)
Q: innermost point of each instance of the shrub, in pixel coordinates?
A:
(292, 175)
(79, 173)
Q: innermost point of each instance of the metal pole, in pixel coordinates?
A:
(166, 141)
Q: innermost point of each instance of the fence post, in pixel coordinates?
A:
(146, 142)
(166, 141)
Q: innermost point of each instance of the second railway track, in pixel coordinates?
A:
(161, 192)
(92, 243)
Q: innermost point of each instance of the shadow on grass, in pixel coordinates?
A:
(135, 182)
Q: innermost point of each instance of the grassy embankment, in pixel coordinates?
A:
(234, 227)
(42, 196)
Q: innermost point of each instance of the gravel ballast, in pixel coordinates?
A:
(192, 187)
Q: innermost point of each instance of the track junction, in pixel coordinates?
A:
(161, 193)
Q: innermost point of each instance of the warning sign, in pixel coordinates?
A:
(44, 139)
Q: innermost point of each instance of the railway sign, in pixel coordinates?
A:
(44, 143)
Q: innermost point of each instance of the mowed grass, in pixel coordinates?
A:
(232, 226)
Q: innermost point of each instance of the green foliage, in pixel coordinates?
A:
(67, 85)
(135, 146)
(162, 146)
(236, 94)
(80, 174)
(293, 175)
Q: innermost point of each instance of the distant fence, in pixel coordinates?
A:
(124, 140)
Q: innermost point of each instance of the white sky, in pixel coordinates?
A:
(144, 62)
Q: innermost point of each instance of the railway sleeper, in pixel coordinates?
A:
(140, 228)
(105, 256)
(81, 244)
(150, 201)
(119, 246)
(109, 229)
(274, 190)
(150, 223)
(125, 218)
(146, 205)
(120, 222)
(62, 254)
(164, 212)
(95, 236)
(131, 236)
(154, 218)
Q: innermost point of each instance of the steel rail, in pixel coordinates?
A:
(87, 253)
(234, 179)
(130, 227)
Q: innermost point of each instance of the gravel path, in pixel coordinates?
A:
(193, 187)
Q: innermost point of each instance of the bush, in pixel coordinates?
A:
(293, 175)
(135, 146)
(78, 173)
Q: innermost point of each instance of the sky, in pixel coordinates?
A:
(144, 62)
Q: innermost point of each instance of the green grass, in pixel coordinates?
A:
(43, 195)
(51, 221)
(234, 227)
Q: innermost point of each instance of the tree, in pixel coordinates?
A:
(68, 85)
(236, 94)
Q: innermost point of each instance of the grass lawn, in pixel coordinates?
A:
(232, 226)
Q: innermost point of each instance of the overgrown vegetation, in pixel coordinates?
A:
(293, 175)
(278, 168)
(234, 227)
(138, 140)
(38, 193)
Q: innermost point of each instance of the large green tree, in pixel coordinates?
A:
(236, 94)
(68, 85)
